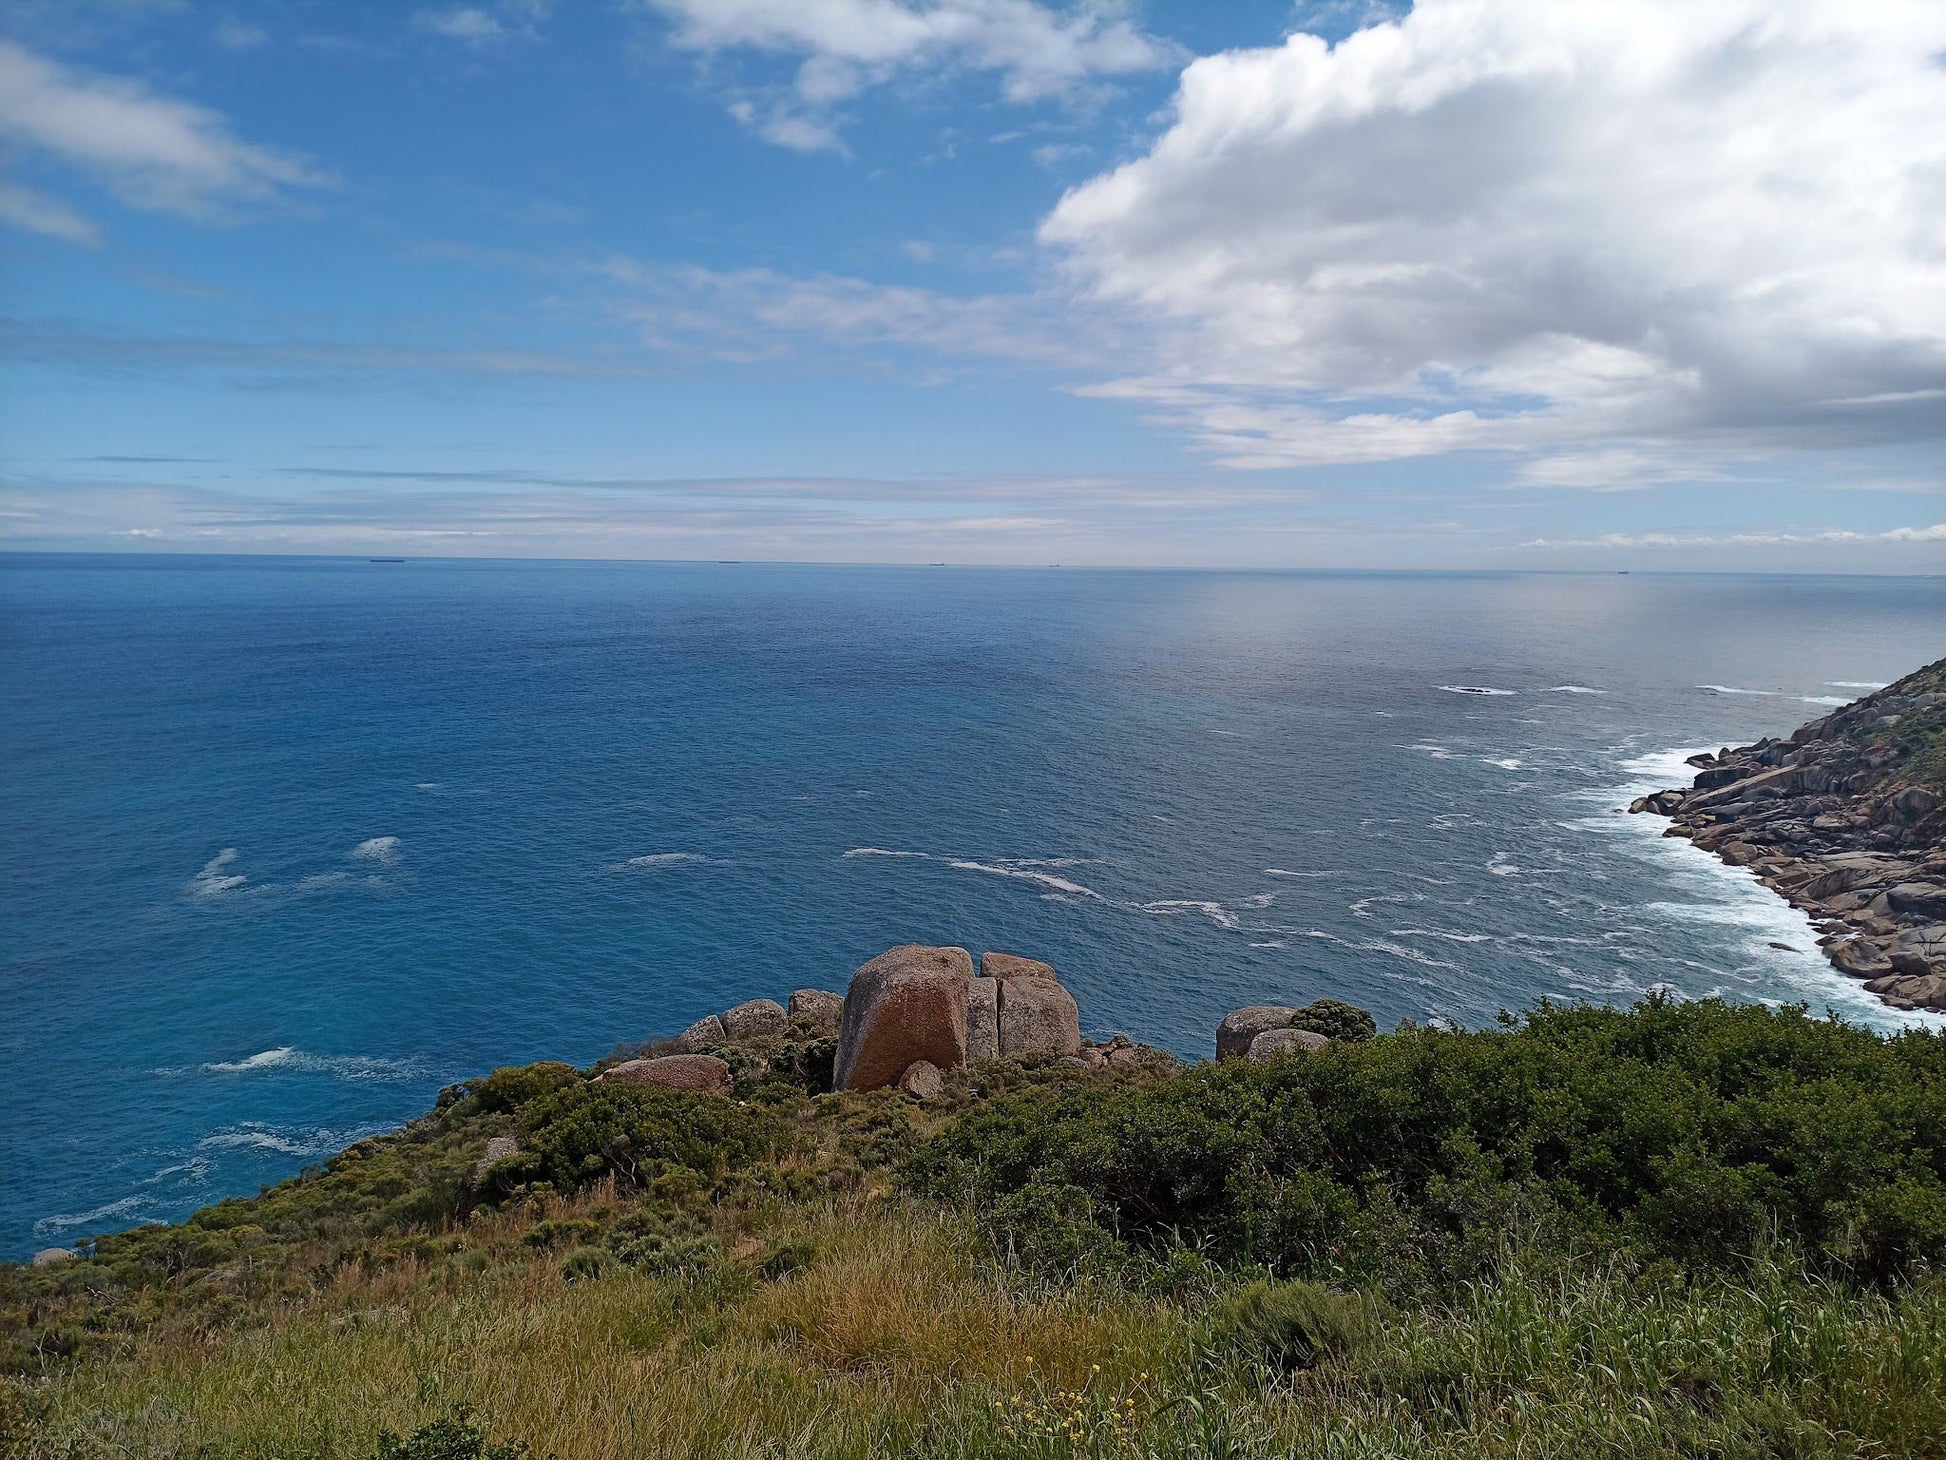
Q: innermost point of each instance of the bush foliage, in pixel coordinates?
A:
(1693, 1132)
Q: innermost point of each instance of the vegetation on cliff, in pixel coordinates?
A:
(1678, 1230)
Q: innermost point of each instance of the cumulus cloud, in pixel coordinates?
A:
(150, 151)
(842, 47)
(1521, 225)
(479, 26)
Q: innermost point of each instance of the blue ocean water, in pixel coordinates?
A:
(287, 844)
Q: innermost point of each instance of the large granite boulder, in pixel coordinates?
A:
(905, 1005)
(699, 1036)
(755, 1019)
(498, 1148)
(1012, 965)
(1241, 1026)
(1917, 899)
(817, 1012)
(1273, 1042)
(1037, 1016)
(1919, 951)
(702, 1074)
(53, 1256)
(983, 1019)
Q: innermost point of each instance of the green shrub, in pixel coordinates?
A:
(1289, 1326)
(511, 1087)
(453, 1438)
(1687, 1131)
(1335, 1019)
(586, 1262)
(638, 1134)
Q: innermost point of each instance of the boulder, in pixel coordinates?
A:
(907, 1004)
(1859, 957)
(1037, 1016)
(1919, 951)
(1240, 1026)
(53, 1256)
(817, 1011)
(1012, 965)
(699, 1036)
(922, 1080)
(499, 1148)
(702, 1074)
(983, 1019)
(1917, 900)
(1273, 1042)
(1087, 1058)
(756, 1019)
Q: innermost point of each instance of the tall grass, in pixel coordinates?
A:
(895, 1339)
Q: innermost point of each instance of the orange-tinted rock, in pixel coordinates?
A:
(703, 1074)
(906, 1005)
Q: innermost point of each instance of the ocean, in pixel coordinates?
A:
(287, 844)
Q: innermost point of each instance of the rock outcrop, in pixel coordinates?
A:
(923, 1080)
(1240, 1027)
(1012, 965)
(906, 1005)
(701, 1073)
(983, 1019)
(1845, 818)
(1273, 1042)
(755, 1019)
(699, 1036)
(817, 1012)
(1036, 1016)
(53, 1256)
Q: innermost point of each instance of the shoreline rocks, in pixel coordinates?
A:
(1844, 818)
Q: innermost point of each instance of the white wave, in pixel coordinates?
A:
(1214, 911)
(1856, 683)
(343, 1067)
(1025, 873)
(269, 1059)
(213, 880)
(1475, 689)
(427, 785)
(1437, 752)
(377, 849)
(1774, 694)
(1363, 907)
(882, 852)
(1500, 866)
(1279, 943)
(283, 1140)
(1286, 872)
(1574, 689)
(62, 1221)
(664, 859)
(1507, 763)
(1437, 933)
(1399, 950)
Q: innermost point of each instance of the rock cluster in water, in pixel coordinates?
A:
(1845, 818)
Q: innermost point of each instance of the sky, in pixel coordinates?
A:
(1643, 284)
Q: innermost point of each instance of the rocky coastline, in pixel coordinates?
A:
(1844, 818)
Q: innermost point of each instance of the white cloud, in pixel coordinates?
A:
(151, 151)
(38, 213)
(846, 46)
(480, 26)
(1832, 537)
(1534, 226)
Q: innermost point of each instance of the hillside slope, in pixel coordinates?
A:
(1846, 818)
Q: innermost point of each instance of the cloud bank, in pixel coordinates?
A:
(1708, 231)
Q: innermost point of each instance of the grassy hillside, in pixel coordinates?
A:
(1681, 1230)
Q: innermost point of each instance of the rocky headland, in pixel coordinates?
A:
(1846, 819)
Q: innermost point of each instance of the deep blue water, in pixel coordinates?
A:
(287, 844)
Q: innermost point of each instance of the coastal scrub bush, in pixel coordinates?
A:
(638, 1134)
(512, 1086)
(454, 1438)
(1335, 1019)
(1684, 1131)
(1289, 1326)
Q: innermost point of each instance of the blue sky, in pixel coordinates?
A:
(1501, 283)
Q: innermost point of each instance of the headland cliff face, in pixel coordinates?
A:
(1846, 818)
